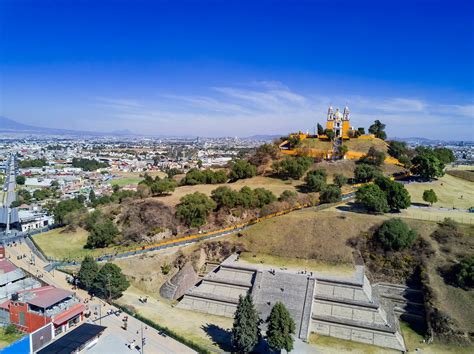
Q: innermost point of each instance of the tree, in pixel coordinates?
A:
(395, 235)
(88, 273)
(110, 282)
(361, 130)
(444, 155)
(20, 180)
(64, 207)
(339, 180)
(396, 194)
(320, 129)
(427, 166)
(291, 167)
(372, 198)
(397, 148)
(280, 328)
(194, 209)
(199, 163)
(102, 235)
(245, 332)
(330, 194)
(365, 173)
(163, 186)
(330, 134)
(241, 169)
(430, 196)
(464, 273)
(373, 157)
(378, 130)
(316, 180)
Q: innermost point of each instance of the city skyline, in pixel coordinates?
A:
(238, 69)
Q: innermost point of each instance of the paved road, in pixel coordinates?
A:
(155, 342)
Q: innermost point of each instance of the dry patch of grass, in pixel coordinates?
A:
(315, 144)
(298, 264)
(451, 192)
(190, 324)
(307, 234)
(363, 145)
(468, 175)
(432, 214)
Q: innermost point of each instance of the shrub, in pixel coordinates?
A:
(330, 194)
(291, 167)
(339, 180)
(373, 157)
(395, 235)
(194, 209)
(464, 273)
(365, 173)
(241, 169)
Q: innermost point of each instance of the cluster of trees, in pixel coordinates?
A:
(395, 235)
(294, 168)
(88, 164)
(32, 163)
(378, 129)
(316, 181)
(423, 161)
(118, 195)
(102, 230)
(247, 198)
(157, 186)
(194, 209)
(246, 332)
(195, 176)
(106, 282)
(365, 173)
(384, 195)
(64, 207)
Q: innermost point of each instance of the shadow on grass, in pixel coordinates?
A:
(219, 336)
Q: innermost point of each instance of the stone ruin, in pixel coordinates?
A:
(346, 308)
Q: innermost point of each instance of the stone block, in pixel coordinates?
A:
(342, 312)
(340, 332)
(320, 328)
(363, 315)
(322, 309)
(362, 336)
(343, 292)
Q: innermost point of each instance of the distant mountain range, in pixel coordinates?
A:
(8, 125)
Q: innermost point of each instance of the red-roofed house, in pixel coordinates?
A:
(32, 309)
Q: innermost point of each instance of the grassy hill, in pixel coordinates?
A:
(360, 145)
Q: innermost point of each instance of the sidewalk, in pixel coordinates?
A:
(155, 342)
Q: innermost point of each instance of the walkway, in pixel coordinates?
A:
(155, 341)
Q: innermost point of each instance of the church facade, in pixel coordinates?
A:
(339, 122)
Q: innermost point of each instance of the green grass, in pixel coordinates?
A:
(326, 344)
(126, 181)
(414, 340)
(7, 339)
(67, 246)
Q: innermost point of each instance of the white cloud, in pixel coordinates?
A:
(272, 108)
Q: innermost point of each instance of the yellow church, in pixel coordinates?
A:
(339, 122)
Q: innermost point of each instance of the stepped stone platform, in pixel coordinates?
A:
(347, 308)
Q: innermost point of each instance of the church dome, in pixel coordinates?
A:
(338, 114)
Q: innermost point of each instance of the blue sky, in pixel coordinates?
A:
(237, 68)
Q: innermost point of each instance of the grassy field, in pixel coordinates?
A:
(126, 181)
(468, 175)
(451, 192)
(275, 185)
(326, 344)
(432, 214)
(315, 144)
(7, 339)
(67, 245)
